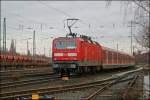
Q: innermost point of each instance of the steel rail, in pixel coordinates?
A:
(22, 70)
(16, 94)
(27, 82)
(33, 75)
(65, 88)
(130, 85)
(100, 90)
(25, 74)
(50, 89)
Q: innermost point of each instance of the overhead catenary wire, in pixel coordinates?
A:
(37, 22)
(25, 18)
(31, 21)
(58, 10)
(64, 13)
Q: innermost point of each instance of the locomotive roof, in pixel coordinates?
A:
(89, 40)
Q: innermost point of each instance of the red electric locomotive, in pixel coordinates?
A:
(81, 54)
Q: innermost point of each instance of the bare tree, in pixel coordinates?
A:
(141, 20)
(143, 35)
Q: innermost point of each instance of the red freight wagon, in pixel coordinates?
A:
(1, 57)
(9, 58)
(25, 58)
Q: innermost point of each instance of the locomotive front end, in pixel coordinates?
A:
(64, 55)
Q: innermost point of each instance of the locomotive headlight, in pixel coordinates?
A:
(58, 54)
(72, 54)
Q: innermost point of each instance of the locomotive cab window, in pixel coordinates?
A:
(65, 45)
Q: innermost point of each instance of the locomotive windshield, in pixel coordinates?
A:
(65, 45)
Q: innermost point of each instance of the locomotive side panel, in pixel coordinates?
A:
(91, 54)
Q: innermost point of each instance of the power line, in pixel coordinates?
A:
(8, 26)
(48, 6)
(18, 23)
(58, 10)
(25, 18)
(17, 29)
(31, 20)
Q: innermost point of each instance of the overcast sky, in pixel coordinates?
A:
(108, 25)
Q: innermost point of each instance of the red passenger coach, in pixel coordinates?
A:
(115, 59)
(81, 54)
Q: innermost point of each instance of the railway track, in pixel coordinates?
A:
(11, 76)
(25, 70)
(51, 90)
(47, 90)
(38, 78)
(129, 87)
(24, 74)
(28, 81)
(105, 87)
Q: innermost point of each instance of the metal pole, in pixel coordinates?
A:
(0, 38)
(15, 46)
(41, 27)
(0, 41)
(27, 48)
(131, 35)
(131, 38)
(4, 41)
(133, 50)
(4, 36)
(44, 51)
(33, 43)
(117, 53)
(89, 29)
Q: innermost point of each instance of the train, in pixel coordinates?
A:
(79, 54)
(11, 61)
